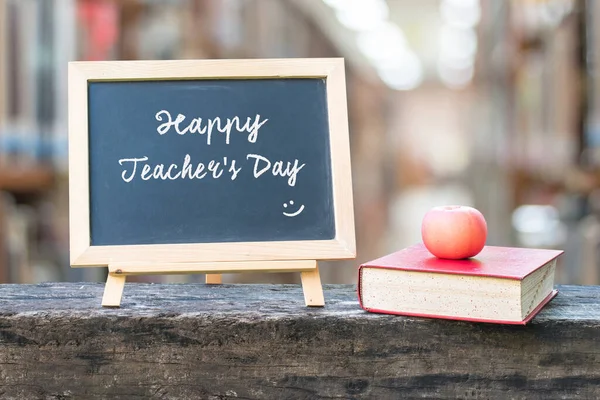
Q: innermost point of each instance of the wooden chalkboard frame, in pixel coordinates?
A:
(208, 257)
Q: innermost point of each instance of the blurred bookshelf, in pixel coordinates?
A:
(32, 135)
(550, 174)
(29, 180)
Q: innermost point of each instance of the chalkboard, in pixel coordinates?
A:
(199, 161)
(196, 162)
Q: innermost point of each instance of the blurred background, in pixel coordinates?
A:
(478, 102)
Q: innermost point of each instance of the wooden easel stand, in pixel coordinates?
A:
(309, 273)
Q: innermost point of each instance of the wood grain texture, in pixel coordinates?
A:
(208, 252)
(113, 290)
(213, 279)
(340, 156)
(312, 288)
(154, 268)
(207, 69)
(79, 189)
(197, 341)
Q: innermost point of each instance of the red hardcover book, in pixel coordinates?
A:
(503, 285)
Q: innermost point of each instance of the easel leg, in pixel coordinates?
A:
(113, 291)
(214, 279)
(312, 288)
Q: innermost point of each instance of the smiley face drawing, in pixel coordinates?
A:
(285, 205)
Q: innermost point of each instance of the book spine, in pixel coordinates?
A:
(359, 288)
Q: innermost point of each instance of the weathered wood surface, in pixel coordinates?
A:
(259, 342)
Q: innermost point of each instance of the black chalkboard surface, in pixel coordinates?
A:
(205, 161)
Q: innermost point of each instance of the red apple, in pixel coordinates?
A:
(454, 232)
